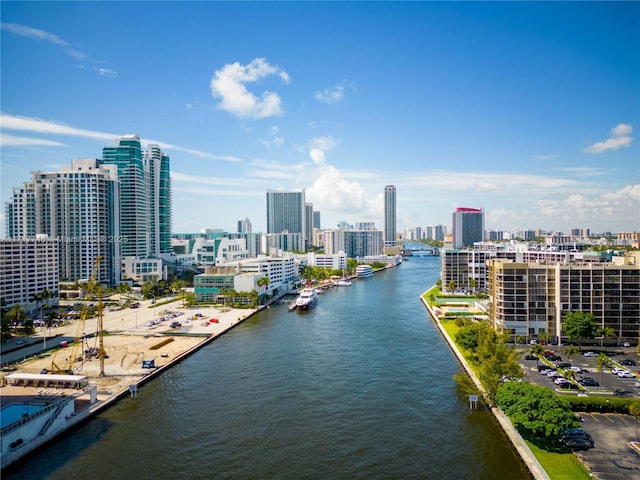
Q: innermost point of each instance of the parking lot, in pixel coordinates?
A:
(612, 456)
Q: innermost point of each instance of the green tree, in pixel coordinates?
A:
(16, 314)
(496, 361)
(602, 361)
(579, 325)
(606, 332)
(537, 350)
(570, 351)
(468, 337)
(473, 283)
(534, 410)
(544, 337)
(451, 285)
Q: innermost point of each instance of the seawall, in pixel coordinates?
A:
(529, 459)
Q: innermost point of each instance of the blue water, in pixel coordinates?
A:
(360, 387)
(15, 411)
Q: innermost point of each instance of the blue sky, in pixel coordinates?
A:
(528, 110)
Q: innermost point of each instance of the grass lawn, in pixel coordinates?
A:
(559, 466)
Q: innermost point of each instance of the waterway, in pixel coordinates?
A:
(360, 387)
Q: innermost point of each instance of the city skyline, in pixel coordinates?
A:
(526, 110)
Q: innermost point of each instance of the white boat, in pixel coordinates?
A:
(363, 271)
(345, 282)
(307, 299)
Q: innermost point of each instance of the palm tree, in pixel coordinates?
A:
(473, 283)
(537, 350)
(570, 351)
(16, 314)
(602, 361)
(451, 285)
(606, 332)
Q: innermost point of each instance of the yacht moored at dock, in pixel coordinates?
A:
(363, 271)
(307, 299)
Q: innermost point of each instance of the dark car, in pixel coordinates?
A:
(575, 432)
(554, 358)
(530, 357)
(578, 443)
(175, 325)
(563, 365)
(588, 382)
(628, 363)
(543, 366)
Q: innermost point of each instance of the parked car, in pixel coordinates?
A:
(578, 443)
(543, 366)
(563, 365)
(530, 357)
(626, 374)
(588, 382)
(575, 432)
(553, 374)
(626, 344)
(561, 382)
(590, 354)
(175, 325)
(627, 362)
(576, 369)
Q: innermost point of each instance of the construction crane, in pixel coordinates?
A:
(76, 352)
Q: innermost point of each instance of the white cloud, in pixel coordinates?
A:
(317, 156)
(228, 84)
(620, 137)
(28, 124)
(105, 72)
(325, 143)
(29, 32)
(333, 94)
(333, 194)
(7, 140)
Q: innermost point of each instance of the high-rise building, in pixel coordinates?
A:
(28, 266)
(158, 180)
(145, 196)
(77, 207)
(316, 219)
(126, 155)
(286, 212)
(390, 216)
(244, 225)
(308, 225)
(467, 227)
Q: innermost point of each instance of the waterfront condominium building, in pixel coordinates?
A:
(77, 208)
(145, 196)
(531, 298)
(362, 243)
(286, 212)
(390, 216)
(28, 266)
(467, 227)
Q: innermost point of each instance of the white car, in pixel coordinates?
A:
(553, 374)
(626, 374)
(617, 370)
(590, 354)
(576, 369)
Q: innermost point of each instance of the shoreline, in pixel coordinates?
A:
(523, 450)
(135, 377)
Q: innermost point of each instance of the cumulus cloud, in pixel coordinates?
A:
(333, 94)
(607, 207)
(620, 137)
(229, 85)
(331, 192)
